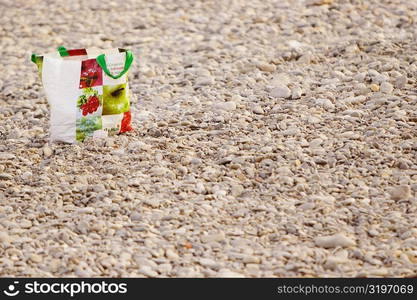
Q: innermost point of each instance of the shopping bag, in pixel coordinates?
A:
(88, 92)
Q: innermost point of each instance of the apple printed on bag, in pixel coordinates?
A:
(91, 74)
(115, 99)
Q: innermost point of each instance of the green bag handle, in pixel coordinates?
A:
(101, 60)
(33, 57)
(62, 51)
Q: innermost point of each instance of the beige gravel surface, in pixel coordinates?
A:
(272, 138)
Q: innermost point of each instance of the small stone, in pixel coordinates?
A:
(318, 2)
(386, 87)
(25, 224)
(161, 171)
(281, 92)
(98, 188)
(335, 260)
(79, 272)
(143, 261)
(353, 113)
(226, 273)
(325, 103)
(236, 98)
(291, 131)
(171, 254)
(135, 216)
(257, 109)
(164, 268)
(5, 176)
(402, 192)
(35, 258)
(251, 259)
(400, 82)
(378, 272)
(203, 81)
(199, 188)
(207, 262)
(266, 67)
(152, 202)
(360, 77)
(226, 106)
(236, 190)
(374, 87)
(119, 152)
(306, 58)
(361, 89)
(83, 227)
(6, 156)
(355, 100)
(47, 151)
(15, 134)
(85, 210)
(147, 271)
(27, 175)
(402, 164)
(213, 237)
(296, 93)
(332, 241)
(196, 161)
(4, 237)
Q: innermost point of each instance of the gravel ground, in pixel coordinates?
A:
(272, 138)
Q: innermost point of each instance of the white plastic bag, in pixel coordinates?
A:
(88, 92)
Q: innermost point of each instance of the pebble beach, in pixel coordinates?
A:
(271, 139)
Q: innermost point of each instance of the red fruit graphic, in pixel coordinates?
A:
(126, 126)
(91, 74)
(90, 106)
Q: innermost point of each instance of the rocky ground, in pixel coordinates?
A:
(272, 138)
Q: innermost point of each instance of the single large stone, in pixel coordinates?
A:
(332, 241)
(281, 91)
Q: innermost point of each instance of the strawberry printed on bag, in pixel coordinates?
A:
(89, 102)
(91, 74)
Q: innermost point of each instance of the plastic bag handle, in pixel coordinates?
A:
(101, 60)
(62, 51)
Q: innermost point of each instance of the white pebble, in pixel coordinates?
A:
(213, 237)
(400, 82)
(266, 67)
(171, 254)
(332, 241)
(280, 92)
(257, 109)
(147, 271)
(326, 103)
(26, 175)
(402, 192)
(6, 156)
(35, 258)
(226, 106)
(47, 151)
(226, 273)
(296, 93)
(202, 81)
(4, 237)
(386, 87)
